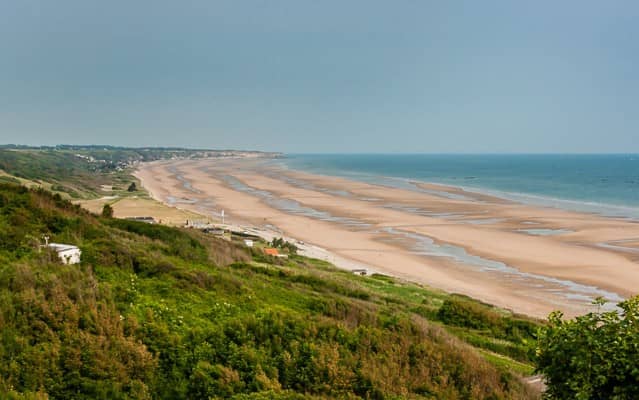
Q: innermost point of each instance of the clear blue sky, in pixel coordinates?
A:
(323, 76)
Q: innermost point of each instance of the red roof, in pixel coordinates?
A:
(271, 252)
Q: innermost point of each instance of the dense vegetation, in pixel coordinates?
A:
(154, 312)
(286, 246)
(594, 356)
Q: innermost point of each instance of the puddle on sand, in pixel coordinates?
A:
(545, 232)
(292, 206)
(175, 200)
(423, 212)
(424, 245)
(483, 221)
(186, 184)
(307, 185)
(409, 184)
(631, 250)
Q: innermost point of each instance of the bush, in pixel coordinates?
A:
(594, 356)
(469, 314)
(107, 211)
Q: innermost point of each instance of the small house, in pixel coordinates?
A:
(360, 271)
(248, 242)
(69, 254)
(269, 251)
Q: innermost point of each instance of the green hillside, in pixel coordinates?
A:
(154, 312)
(62, 171)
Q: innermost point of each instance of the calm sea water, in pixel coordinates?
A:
(606, 184)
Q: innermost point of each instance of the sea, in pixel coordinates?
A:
(606, 184)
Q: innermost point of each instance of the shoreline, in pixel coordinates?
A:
(532, 283)
(304, 249)
(609, 210)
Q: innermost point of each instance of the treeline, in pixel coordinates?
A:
(160, 313)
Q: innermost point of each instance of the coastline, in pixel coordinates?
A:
(480, 253)
(608, 207)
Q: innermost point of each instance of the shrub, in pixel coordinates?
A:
(107, 211)
(460, 312)
(594, 356)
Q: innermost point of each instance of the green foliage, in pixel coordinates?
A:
(516, 335)
(8, 179)
(280, 243)
(132, 187)
(26, 215)
(107, 211)
(154, 312)
(174, 242)
(594, 356)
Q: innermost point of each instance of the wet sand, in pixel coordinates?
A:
(442, 236)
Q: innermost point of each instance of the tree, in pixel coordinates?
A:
(594, 356)
(132, 187)
(280, 243)
(107, 211)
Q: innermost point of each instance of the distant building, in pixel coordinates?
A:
(248, 242)
(69, 254)
(269, 251)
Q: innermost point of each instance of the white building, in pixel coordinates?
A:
(248, 242)
(360, 271)
(69, 254)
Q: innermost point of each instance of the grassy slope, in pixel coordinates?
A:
(62, 171)
(156, 312)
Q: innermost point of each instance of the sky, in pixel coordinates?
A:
(307, 76)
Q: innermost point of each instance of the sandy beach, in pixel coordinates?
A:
(525, 258)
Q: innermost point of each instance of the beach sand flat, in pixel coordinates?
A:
(470, 243)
